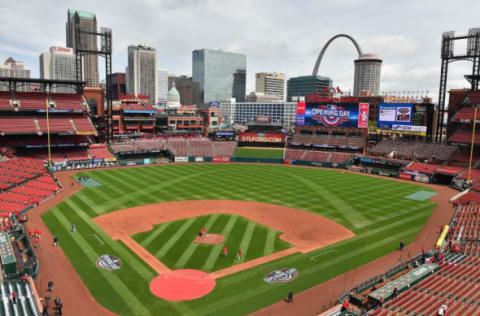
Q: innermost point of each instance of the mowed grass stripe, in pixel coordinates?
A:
(156, 232)
(247, 238)
(116, 283)
(169, 244)
(146, 274)
(269, 242)
(193, 246)
(87, 201)
(350, 213)
(215, 252)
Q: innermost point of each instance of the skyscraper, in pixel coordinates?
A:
(162, 87)
(13, 68)
(118, 85)
(270, 84)
(88, 22)
(222, 75)
(142, 72)
(305, 85)
(366, 80)
(188, 89)
(58, 64)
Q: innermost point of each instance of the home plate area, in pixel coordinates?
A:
(181, 285)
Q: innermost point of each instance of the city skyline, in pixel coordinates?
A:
(410, 50)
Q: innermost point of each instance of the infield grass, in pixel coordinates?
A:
(375, 209)
(182, 253)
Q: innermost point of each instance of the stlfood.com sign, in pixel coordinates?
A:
(261, 138)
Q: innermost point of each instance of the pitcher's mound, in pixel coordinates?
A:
(182, 285)
(210, 239)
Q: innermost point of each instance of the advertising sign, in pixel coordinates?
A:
(261, 138)
(181, 159)
(342, 114)
(220, 159)
(363, 115)
(198, 159)
(402, 118)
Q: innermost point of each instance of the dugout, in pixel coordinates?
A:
(446, 175)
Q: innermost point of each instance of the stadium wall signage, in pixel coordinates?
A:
(108, 262)
(282, 275)
(261, 138)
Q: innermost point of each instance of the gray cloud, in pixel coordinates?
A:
(283, 36)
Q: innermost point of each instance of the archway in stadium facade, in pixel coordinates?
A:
(322, 52)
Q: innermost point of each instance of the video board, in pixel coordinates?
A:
(329, 114)
(404, 118)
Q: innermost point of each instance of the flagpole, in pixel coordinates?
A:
(471, 145)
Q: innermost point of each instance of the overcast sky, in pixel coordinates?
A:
(277, 35)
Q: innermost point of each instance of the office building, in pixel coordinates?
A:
(58, 64)
(88, 22)
(366, 80)
(188, 89)
(270, 84)
(222, 75)
(118, 85)
(305, 85)
(142, 72)
(162, 87)
(261, 97)
(244, 112)
(15, 69)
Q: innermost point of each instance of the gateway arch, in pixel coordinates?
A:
(324, 49)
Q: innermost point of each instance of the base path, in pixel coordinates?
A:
(305, 230)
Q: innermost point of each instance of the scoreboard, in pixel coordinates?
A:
(405, 118)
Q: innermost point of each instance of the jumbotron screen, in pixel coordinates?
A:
(330, 114)
(405, 118)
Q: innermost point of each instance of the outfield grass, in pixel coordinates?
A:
(254, 239)
(276, 153)
(375, 209)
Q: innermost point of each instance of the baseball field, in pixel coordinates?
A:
(377, 211)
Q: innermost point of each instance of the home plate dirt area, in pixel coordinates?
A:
(303, 230)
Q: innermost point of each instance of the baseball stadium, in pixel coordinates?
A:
(359, 208)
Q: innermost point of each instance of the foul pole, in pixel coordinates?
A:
(472, 144)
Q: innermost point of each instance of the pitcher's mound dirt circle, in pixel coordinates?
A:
(210, 239)
(182, 285)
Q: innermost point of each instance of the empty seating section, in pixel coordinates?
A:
(26, 304)
(66, 101)
(464, 137)
(24, 182)
(178, 146)
(224, 148)
(465, 114)
(413, 150)
(77, 154)
(17, 125)
(5, 101)
(465, 229)
(456, 284)
(294, 154)
(99, 151)
(57, 124)
(319, 156)
(200, 147)
(32, 100)
(354, 143)
(83, 124)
